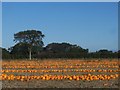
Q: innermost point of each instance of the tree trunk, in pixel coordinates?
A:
(30, 54)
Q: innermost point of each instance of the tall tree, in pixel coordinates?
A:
(31, 38)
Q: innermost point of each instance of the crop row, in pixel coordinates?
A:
(64, 70)
(66, 66)
(61, 62)
(87, 77)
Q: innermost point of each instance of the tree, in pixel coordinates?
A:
(118, 53)
(5, 53)
(20, 50)
(104, 53)
(31, 38)
(64, 50)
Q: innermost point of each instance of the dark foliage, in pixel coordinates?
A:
(5, 53)
(27, 40)
(55, 50)
(30, 43)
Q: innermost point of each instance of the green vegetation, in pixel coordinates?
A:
(27, 40)
(30, 45)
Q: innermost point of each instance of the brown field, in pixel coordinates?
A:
(60, 73)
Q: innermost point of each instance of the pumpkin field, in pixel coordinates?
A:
(60, 73)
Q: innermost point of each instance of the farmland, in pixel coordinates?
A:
(60, 73)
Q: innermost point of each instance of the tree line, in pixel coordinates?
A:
(29, 44)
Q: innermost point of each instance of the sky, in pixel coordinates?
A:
(91, 25)
(60, 0)
(0, 24)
